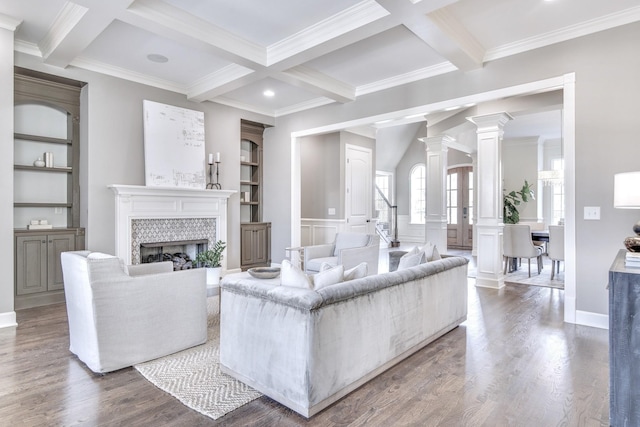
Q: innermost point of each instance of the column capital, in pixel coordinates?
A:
(9, 23)
(490, 122)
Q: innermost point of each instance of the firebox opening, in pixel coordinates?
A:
(181, 253)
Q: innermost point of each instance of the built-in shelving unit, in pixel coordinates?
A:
(255, 234)
(47, 120)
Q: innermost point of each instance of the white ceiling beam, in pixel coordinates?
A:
(222, 81)
(318, 83)
(350, 19)
(174, 23)
(433, 24)
(75, 27)
(450, 39)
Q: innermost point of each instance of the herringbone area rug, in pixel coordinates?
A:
(193, 376)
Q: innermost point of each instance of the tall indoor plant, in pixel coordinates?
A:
(211, 259)
(513, 199)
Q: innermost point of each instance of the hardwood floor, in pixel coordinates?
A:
(512, 363)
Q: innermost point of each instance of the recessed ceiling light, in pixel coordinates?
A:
(269, 93)
(156, 57)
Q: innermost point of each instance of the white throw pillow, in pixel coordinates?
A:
(410, 259)
(290, 275)
(431, 252)
(356, 272)
(328, 276)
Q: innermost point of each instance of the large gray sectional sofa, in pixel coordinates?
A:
(307, 349)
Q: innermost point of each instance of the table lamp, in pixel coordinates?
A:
(626, 195)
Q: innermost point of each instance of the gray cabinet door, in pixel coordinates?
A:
(31, 264)
(56, 244)
(255, 244)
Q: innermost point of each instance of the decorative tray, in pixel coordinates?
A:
(264, 272)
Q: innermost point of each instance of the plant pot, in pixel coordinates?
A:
(213, 275)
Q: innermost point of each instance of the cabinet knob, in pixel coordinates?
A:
(44, 241)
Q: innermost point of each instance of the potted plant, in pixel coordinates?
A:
(513, 199)
(211, 259)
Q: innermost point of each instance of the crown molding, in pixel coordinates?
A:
(302, 106)
(412, 76)
(68, 17)
(9, 23)
(243, 106)
(31, 49)
(350, 19)
(582, 29)
(122, 73)
(307, 105)
(199, 89)
(320, 83)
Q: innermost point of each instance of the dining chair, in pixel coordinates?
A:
(555, 248)
(517, 244)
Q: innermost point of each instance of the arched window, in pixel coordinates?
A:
(417, 188)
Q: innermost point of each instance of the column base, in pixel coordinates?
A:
(490, 282)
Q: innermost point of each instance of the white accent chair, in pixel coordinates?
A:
(555, 248)
(537, 226)
(122, 315)
(348, 249)
(517, 244)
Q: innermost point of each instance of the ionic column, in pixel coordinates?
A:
(489, 221)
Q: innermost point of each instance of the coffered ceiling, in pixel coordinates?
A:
(307, 52)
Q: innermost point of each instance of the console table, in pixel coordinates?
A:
(624, 343)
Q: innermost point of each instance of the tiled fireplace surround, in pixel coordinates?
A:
(146, 214)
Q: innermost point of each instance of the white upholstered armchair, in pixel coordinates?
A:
(348, 249)
(119, 316)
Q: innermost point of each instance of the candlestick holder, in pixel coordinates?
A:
(211, 185)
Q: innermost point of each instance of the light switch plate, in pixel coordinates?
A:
(332, 211)
(592, 212)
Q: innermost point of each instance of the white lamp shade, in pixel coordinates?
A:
(626, 190)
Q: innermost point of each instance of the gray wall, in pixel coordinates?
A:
(321, 184)
(112, 148)
(416, 153)
(606, 66)
(520, 163)
(6, 177)
(323, 179)
(607, 88)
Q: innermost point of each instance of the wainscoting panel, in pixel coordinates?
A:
(410, 233)
(316, 231)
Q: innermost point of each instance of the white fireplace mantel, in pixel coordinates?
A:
(148, 202)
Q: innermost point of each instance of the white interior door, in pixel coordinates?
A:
(359, 189)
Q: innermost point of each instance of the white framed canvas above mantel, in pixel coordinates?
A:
(174, 154)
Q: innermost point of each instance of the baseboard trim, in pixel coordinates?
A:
(594, 320)
(8, 319)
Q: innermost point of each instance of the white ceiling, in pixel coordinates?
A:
(309, 52)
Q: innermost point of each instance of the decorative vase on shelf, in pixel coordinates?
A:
(39, 163)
